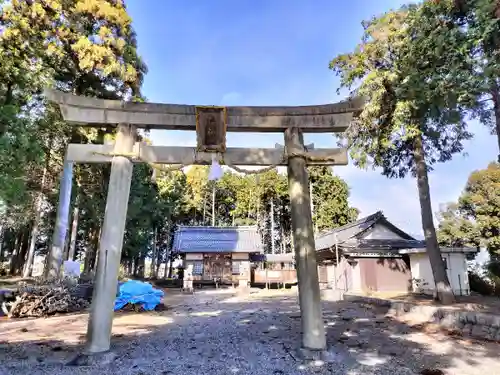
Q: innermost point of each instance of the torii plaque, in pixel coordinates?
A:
(211, 131)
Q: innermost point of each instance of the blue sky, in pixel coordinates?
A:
(264, 52)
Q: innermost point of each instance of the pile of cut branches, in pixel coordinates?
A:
(48, 298)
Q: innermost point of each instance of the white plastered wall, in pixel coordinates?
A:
(457, 273)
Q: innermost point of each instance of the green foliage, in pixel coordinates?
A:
(488, 282)
(479, 284)
(398, 69)
(88, 46)
(480, 202)
(16, 153)
(330, 198)
(85, 47)
(475, 219)
(262, 199)
(454, 229)
(417, 97)
(481, 19)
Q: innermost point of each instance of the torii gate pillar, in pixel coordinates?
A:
(110, 245)
(313, 330)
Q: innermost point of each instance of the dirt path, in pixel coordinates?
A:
(223, 333)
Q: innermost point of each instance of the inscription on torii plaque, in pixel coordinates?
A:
(211, 129)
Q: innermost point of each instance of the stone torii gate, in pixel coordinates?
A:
(211, 124)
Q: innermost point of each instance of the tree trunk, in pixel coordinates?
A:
(28, 268)
(15, 252)
(443, 288)
(74, 230)
(19, 254)
(213, 205)
(142, 265)
(170, 268)
(136, 267)
(21, 262)
(129, 267)
(2, 241)
(272, 226)
(168, 257)
(158, 265)
(283, 241)
(495, 94)
(204, 210)
(90, 254)
(154, 257)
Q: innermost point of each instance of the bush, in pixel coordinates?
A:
(480, 285)
(493, 272)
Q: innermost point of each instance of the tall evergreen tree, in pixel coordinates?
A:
(83, 47)
(411, 119)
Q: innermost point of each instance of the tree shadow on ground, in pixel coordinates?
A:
(236, 335)
(483, 304)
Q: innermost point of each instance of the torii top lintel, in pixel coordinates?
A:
(88, 111)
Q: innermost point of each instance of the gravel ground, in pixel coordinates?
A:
(224, 333)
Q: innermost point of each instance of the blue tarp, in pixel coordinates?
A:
(133, 292)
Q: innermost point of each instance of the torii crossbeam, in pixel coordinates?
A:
(211, 124)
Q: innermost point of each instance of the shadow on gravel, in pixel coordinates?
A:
(244, 337)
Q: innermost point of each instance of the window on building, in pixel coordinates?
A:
(198, 268)
(236, 267)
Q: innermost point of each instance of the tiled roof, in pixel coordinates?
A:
(327, 239)
(444, 250)
(353, 230)
(217, 240)
(382, 244)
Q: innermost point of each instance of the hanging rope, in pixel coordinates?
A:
(253, 171)
(135, 157)
(224, 161)
(312, 158)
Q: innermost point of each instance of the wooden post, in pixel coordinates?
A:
(110, 246)
(313, 331)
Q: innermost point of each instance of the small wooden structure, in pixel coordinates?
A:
(269, 269)
(217, 254)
